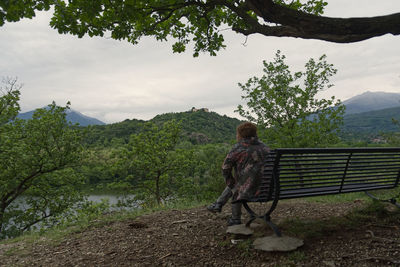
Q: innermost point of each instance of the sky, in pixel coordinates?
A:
(114, 80)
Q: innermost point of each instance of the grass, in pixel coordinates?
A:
(245, 246)
(338, 198)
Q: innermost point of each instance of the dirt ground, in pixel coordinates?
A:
(196, 237)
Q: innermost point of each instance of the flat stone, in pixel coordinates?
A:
(239, 229)
(257, 225)
(275, 243)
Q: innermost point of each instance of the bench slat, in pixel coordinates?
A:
(337, 175)
(329, 190)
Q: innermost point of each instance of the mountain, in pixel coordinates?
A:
(370, 101)
(73, 116)
(198, 127)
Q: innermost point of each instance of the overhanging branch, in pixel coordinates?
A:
(294, 23)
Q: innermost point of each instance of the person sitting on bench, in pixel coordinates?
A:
(247, 159)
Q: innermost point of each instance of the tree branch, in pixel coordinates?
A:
(294, 23)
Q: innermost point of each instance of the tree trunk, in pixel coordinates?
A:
(158, 188)
(293, 23)
(1, 220)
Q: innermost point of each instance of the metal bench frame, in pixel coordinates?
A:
(305, 172)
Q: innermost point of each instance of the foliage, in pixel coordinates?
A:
(394, 137)
(289, 110)
(202, 127)
(112, 134)
(206, 171)
(197, 127)
(184, 21)
(97, 166)
(155, 167)
(9, 98)
(36, 179)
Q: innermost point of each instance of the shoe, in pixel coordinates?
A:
(215, 207)
(234, 221)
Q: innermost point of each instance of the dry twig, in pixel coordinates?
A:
(163, 257)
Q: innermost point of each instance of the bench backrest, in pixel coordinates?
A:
(294, 173)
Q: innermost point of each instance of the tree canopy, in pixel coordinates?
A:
(200, 21)
(154, 165)
(37, 181)
(286, 105)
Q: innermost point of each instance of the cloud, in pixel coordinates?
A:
(113, 80)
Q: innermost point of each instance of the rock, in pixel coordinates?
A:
(239, 229)
(236, 241)
(257, 225)
(275, 243)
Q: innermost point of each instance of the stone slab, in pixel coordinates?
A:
(239, 229)
(258, 225)
(275, 243)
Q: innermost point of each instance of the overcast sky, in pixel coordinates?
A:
(113, 81)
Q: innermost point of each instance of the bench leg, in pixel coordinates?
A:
(391, 200)
(265, 217)
(272, 225)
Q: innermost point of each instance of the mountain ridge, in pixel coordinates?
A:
(370, 101)
(73, 116)
(368, 113)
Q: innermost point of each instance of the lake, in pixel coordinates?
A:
(112, 199)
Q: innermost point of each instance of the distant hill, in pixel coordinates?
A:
(370, 101)
(203, 126)
(372, 121)
(73, 116)
(197, 127)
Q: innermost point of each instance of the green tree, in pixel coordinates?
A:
(285, 104)
(208, 160)
(155, 167)
(393, 138)
(37, 182)
(200, 21)
(96, 166)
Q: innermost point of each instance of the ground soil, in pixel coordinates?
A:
(196, 237)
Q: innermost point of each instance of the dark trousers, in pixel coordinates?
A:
(236, 207)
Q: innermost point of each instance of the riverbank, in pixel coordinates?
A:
(335, 234)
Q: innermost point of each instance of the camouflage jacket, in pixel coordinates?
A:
(246, 160)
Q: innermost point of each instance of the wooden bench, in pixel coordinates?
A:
(306, 172)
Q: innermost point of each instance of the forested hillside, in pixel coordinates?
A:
(203, 127)
(369, 126)
(372, 121)
(199, 127)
